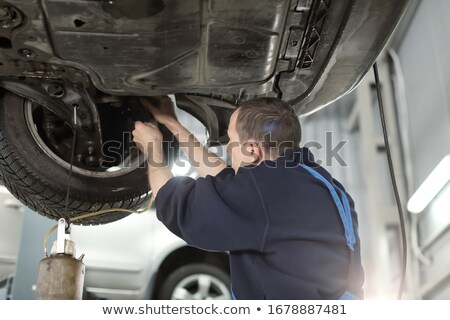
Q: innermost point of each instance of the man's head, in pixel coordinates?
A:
(262, 129)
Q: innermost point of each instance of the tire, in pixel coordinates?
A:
(40, 182)
(183, 284)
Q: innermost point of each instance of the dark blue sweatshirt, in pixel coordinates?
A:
(279, 224)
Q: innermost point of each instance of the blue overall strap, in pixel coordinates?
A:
(343, 207)
(348, 296)
(348, 214)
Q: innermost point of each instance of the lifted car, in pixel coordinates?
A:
(71, 73)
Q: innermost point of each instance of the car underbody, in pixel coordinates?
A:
(97, 57)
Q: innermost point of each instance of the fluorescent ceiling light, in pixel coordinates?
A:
(430, 187)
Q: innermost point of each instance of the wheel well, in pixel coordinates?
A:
(188, 255)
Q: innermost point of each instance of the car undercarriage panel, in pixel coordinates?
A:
(172, 44)
(308, 52)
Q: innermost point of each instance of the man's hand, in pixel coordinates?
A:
(162, 109)
(148, 138)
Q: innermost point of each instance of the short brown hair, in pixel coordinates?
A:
(271, 122)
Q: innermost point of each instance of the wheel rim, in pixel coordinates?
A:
(128, 165)
(201, 287)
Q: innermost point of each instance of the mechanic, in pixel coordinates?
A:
(289, 227)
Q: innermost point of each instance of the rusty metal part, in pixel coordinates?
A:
(60, 277)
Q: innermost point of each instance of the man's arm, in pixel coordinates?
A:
(149, 140)
(206, 163)
(223, 213)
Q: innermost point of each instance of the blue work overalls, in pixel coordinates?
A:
(341, 201)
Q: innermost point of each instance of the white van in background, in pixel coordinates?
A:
(138, 258)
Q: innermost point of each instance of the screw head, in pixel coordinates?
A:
(55, 91)
(28, 53)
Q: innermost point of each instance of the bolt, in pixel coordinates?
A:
(79, 157)
(91, 161)
(251, 54)
(55, 91)
(91, 150)
(26, 53)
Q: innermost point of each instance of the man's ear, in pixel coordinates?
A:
(257, 152)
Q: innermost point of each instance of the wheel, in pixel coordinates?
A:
(196, 282)
(35, 168)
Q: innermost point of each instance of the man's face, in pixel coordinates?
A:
(241, 154)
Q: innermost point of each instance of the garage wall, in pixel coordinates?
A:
(423, 55)
(324, 130)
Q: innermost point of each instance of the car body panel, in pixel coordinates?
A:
(307, 52)
(363, 37)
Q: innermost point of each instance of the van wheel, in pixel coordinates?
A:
(196, 282)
